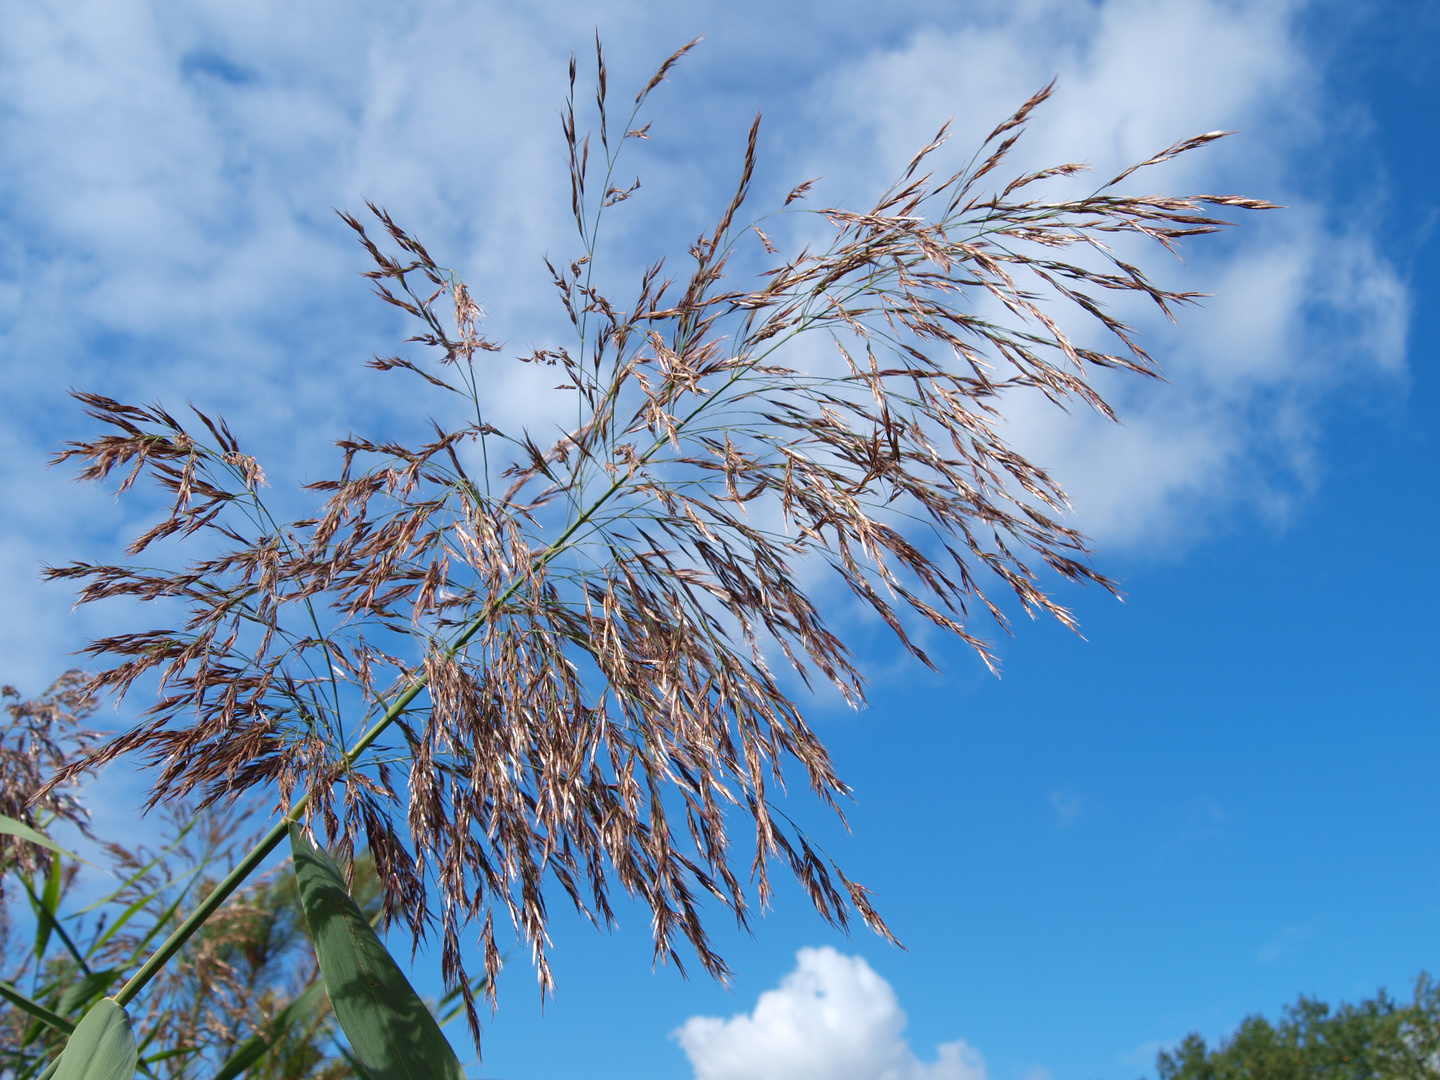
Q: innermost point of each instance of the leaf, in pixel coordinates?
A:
(389, 1028)
(164, 919)
(477, 985)
(35, 1009)
(166, 1055)
(80, 994)
(256, 1047)
(45, 912)
(353, 1062)
(11, 827)
(102, 1048)
(119, 924)
(46, 909)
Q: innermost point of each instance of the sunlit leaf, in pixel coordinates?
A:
(9, 826)
(102, 1048)
(388, 1026)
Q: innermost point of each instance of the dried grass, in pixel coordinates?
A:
(43, 737)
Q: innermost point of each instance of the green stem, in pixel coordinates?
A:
(281, 828)
(208, 906)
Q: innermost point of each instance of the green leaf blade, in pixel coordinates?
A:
(81, 993)
(47, 909)
(10, 827)
(389, 1027)
(102, 1047)
(35, 1009)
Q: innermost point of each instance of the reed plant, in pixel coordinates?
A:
(516, 664)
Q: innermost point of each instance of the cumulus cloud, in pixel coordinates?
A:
(832, 1018)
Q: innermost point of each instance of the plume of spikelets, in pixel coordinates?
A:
(41, 738)
(576, 635)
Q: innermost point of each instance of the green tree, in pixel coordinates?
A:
(1379, 1039)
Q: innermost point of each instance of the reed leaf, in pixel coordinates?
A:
(10, 827)
(102, 1047)
(35, 1009)
(46, 906)
(389, 1027)
(79, 994)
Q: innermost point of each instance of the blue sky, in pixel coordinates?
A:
(1221, 797)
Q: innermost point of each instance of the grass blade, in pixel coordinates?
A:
(47, 908)
(457, 1006)
(169, 913)
(80, 994)
(10, 827)
(389, 1028)
(179, 838)
(119, 924)
(35, 1009)
(46, 915)
(166, 1055)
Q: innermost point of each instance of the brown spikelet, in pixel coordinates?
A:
(41, 738)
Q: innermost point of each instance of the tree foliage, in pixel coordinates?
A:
(1379, 1039)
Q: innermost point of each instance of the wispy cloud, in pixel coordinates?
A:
(1068, 807)
(1284, 943)
(167, 227)
(1304, 300)
(832, 1018)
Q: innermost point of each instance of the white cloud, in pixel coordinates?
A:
(167, 233)
(1304, 304)
(832, 1018)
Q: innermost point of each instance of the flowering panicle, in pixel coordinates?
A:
(562, 651)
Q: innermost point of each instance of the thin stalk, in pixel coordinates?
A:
(161, 956)
(271, 840)
(281, 828)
